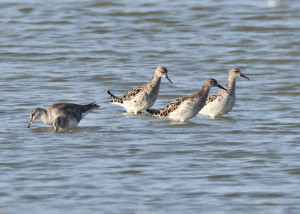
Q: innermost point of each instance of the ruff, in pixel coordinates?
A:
(186, 107)
(142, 97)
(222, 102)
(62, 115)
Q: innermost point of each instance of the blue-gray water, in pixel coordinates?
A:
(247, 161)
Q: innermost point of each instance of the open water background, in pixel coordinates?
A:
(247, 161)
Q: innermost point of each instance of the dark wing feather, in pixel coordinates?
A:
(153, 111)
(65, 106)
(74, 107)
(76, 115)
(67, 114)
(132, 93)
(213, 97)
(172, 106)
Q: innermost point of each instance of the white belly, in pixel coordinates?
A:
(139, 103)
(185, 111)
(218, 107)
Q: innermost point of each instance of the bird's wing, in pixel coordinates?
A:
(65, 107)
(69, 114)
(76, 115)
(132, 93)
(213, 97)
(172, 106)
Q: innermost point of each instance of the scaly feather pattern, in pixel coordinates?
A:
(142, 97)
(186, 107)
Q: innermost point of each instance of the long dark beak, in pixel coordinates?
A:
(222, 87)
(30, 122)
(167, 77)
(242, 75)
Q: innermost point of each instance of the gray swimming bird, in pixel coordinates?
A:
(222, 102)
(142, 97)
(62, 115)
(186, 107)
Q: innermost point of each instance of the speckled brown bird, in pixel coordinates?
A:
(142, 97)
(186, 107)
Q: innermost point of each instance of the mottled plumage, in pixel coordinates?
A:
(62, 115)
(142, 97)
(222, 102)
(186, 107)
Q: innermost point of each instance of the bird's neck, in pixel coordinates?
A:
(155, 82)
(203, 93)
(45, 117)
(231, 86)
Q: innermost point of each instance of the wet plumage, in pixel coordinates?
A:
(62, 115)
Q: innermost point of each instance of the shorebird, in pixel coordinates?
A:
(222, 102)
(186, 107)
(142, 97)
(62, 115)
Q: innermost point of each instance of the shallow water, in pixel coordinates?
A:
(68, 51)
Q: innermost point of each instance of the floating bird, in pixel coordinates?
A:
(62, 115)
(142, 97)
(222, 102)
(186, 107)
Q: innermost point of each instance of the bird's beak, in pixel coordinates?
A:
(167, 77)
(222, 87)
(242, 75)
(30, 122)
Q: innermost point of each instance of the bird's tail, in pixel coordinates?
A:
(154, 112)
(89, 107)
(114, 98)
